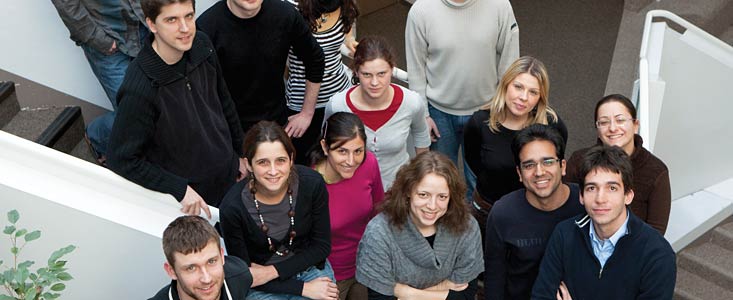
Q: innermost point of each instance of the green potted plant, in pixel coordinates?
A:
(18, 280)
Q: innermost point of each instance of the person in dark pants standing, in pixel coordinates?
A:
(252, 38)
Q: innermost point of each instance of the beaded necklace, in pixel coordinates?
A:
(264, 228)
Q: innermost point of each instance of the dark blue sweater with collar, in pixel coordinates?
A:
(642, 265)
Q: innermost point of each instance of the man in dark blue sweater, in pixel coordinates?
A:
(521, 222)
(608, 253)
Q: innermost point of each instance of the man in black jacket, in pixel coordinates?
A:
(195, 262)
(177, 130)
(608, 253)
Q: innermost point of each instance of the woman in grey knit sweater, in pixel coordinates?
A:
(424, 244)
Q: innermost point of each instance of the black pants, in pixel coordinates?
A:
(310, 138)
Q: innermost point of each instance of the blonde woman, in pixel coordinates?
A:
(521, 100)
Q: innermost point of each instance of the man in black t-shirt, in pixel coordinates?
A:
(521, 222)
(195, 262)
(252, 39)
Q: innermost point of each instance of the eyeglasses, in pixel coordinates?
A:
(619, 121)
(546, 163)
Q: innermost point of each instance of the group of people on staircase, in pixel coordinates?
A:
(332, 182)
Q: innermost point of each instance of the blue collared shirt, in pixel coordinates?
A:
(603, 249)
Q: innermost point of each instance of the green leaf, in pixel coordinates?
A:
(33, 276)
(13, 216)
(9, 229)
(25, 264)
(59, 264)
(3, 297)
(8, 275)
(34, 235)
(21, 232)
(31, 295)
(14, 250)
(64, 276)
(50, 296)
(59, 253)
(58, 287)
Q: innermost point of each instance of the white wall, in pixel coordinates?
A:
(693, 135)
(36, 45)
(116, 224)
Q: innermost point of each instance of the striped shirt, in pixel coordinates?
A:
(335, 76)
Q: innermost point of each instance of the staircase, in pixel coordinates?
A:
(60, 128)
(705, 268)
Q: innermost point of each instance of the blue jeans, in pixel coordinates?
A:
(110, 71)
(309, 274)
(451, 138)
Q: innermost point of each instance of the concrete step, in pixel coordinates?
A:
(82, 151)
(8, 102)
(61, 128)
(693, 287)
(709, 261)
(722, 236)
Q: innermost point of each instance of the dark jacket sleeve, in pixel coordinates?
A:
(306, 48)
(468, 293)
(472, 142)
(659, 273)
(660, 202)
(312, 191)
(133, 131)
(550, 275)
(82, 27)
(494, 260)
(573, 167)
(559, 125)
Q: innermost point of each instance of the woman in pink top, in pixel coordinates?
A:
(354, 190)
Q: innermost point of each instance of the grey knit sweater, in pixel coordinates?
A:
(388, 256)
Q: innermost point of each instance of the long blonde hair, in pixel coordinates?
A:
(497, 105)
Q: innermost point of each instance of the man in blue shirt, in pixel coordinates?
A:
(609, 253)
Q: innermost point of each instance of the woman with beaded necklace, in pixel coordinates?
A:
(277, 221)
(354, 191)
(331, 23)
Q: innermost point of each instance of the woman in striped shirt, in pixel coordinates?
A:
(331, 23)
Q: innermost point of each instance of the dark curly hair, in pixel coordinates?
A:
(396, 205)
(313, 9)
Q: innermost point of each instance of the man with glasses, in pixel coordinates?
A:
(521, 222)
(609, 252)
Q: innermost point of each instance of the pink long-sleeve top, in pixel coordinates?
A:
(352, 203)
